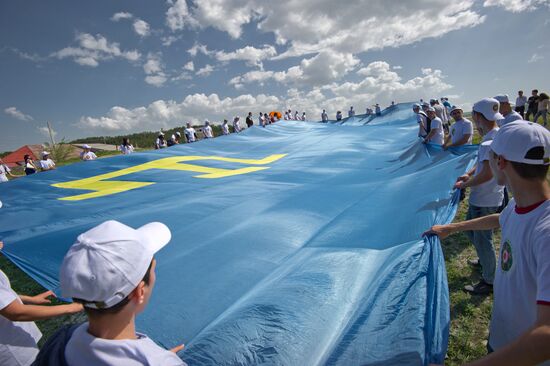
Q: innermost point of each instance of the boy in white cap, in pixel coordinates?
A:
(422, 120)
(190, 134)
(87, 154)
(110, 269)
(486, 194)
(46, 163)
(461, 131)
(436, 135)
(19, 334)
(207, 130)
(520, 324)
(506, 110)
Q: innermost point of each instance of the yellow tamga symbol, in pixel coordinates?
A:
(100, 186)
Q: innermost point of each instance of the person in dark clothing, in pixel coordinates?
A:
(532, 104)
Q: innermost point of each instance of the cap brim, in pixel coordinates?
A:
(155, 235)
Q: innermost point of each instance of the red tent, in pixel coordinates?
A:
(15, 157)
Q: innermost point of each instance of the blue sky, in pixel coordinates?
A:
(116, 67)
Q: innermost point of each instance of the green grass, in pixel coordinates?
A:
(470, 315)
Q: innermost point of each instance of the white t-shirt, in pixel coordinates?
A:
(324, 116)
(3, 173)
(522, 279)
(236, 125)
(521, 101)
(303, 117)
(190, 133)
(88, 156)
(488, 194)
(422, 122)
(128, 149)
(47, 164)
(510, 117)
(351, 113)
(440, 112)
(207, 132)
(439, 137)
(225, 129)
(84, 349)
(460, 128)
(18, 340)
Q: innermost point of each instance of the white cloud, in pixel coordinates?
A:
(121, 15)
(141, 27)
(251, 55)
(535, 58)
(13, 112)
(168, 40)
(178, 16)
(198, 48)
(153, 68)
(323, 68)
(310, 26)
(517, 6)
(164, 114)
(93, 49)
(189, 66)
(205, 71)
(380, 85)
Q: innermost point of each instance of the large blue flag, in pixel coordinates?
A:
(295, 244)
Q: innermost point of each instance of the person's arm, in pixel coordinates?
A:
(33, 309)
(531, 348)
(432, 132)
(460, 142)
(484, 175)
(481, 223)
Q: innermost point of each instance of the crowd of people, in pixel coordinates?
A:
(109, 272)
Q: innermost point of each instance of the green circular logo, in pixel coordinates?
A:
(506, 259)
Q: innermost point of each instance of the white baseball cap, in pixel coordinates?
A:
(107, 262)
(86, 147)
(416, 105)
(44, 153)
(456, 108)
(178, 133)
(489, 108)
(523, 142)
(503, 98)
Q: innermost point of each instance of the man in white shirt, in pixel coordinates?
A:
(351, 112)
(160, 142)
(486, 195)
(236, 124)
(19, 334)
(520, 323)
(506, 110)
(225, 127)
(296, 116)
(87, 154)
(303, 116)
(436, 134)
(421, 119)
(521, 101)
(440, 113)
(110, 269)
(261, 120)
(324, 116)
(207, 130)
(190, 134)
(461, 131)
(46, 163)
